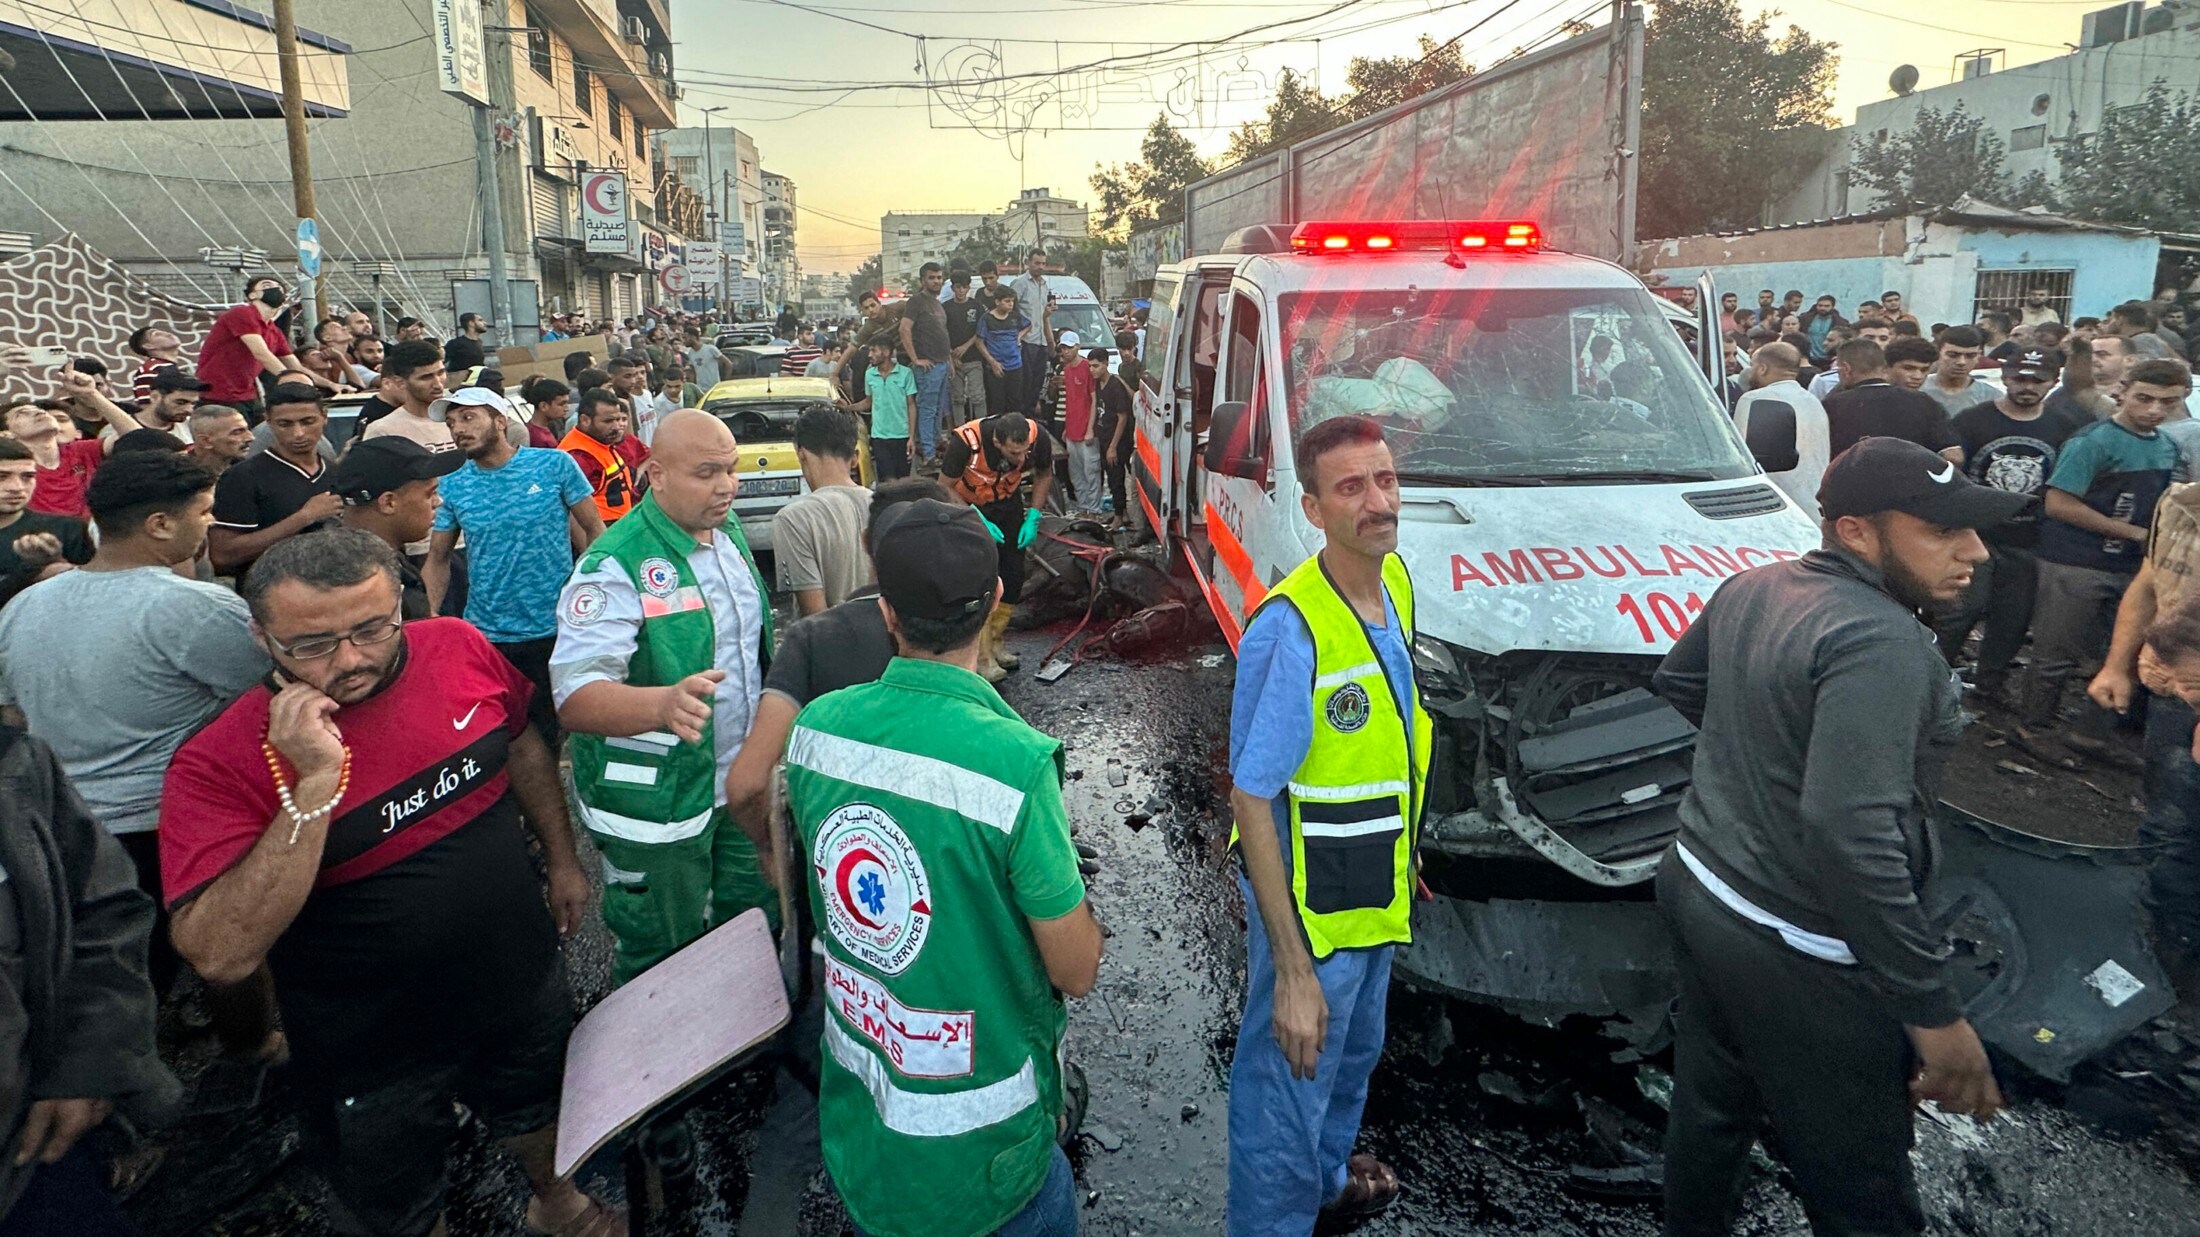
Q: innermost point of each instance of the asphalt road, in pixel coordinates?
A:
(1494, 1126)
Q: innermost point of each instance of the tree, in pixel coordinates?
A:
(1732, 117)
(1378, 82)
(1941, 157)
(868, 278)
(2142, 167)
(1149, 189)
(1086, 258)
(1297, 111)
(988, 242)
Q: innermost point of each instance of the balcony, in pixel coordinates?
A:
(599, 37)
(224, 67)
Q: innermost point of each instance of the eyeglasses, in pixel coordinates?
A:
(314, 648)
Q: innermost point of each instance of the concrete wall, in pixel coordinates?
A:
(1934, 266)
(2109, 269)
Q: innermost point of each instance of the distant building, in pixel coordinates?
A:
(909, 239)
(2033, 108)
(782, 266)
(393, 157)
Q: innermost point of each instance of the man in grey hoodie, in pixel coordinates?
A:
(1814, 996)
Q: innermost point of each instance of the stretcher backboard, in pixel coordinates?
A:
(671, 1029)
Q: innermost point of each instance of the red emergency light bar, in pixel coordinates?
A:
(1440, 235)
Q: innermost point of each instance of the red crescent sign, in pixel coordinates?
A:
(847, 897)
(595, 202)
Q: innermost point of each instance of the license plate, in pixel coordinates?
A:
(771, 487)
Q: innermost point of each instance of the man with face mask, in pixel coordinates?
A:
(663, 633)
(355, 823)
(1814, 996)
(245, 343)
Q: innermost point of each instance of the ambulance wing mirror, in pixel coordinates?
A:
(1230, 443)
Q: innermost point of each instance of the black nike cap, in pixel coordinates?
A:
(935, 560)
(1895, 474)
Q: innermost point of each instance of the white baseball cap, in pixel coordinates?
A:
(1071, 338)
(471, 397)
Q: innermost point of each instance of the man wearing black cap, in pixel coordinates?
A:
(950, 909)
(1814, 997)
(388, 487)
(2009, 443)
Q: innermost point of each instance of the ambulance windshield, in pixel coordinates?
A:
(1511, 385)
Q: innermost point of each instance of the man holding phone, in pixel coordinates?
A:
(355, 823)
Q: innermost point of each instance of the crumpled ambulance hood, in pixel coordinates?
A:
(1580, 568)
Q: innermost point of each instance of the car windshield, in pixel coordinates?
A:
(1533, 385)
(1089, 321)
(761, 420)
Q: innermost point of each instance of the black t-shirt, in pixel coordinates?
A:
(463, 353)
(264, 489)
(371, 410)
(76, 544)
(962, 324)
(76, 547)
(842, 646)
(1115, 407)
(1878, 409)
(2018, 456)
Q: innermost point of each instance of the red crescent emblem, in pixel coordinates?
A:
(840, 884)
(596, 202)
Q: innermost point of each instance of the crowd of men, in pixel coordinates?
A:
(2094, 419)
(237, 762)
(267, 794)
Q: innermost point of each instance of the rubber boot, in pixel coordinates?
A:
(989, 647)
(998, 622)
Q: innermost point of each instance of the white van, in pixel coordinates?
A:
(1573, 493)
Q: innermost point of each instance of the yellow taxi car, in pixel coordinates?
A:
(761, 412)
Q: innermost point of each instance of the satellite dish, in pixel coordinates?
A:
(1903, 80)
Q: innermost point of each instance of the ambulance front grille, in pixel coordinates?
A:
(1735, 503)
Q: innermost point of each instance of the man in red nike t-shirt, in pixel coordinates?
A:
(355, 823)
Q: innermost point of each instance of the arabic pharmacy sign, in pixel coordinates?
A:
(461, 58)
(604, 225)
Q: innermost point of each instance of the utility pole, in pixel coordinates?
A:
(492, 196)
(294, 128)
(710, 218)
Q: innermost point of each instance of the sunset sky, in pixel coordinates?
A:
(854, 156)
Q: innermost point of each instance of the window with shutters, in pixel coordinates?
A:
(611, 118)
(584, 91)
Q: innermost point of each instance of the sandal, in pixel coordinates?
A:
(1370, 1187)
(597, 1219)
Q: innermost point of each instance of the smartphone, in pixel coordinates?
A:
(49, 358)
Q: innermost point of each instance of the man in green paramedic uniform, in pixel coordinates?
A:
(951, 910)
(663, 635)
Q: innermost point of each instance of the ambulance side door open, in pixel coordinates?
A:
(1246, 525)
(1160, 448)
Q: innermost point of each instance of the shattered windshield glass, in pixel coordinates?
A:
(1529, 384)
